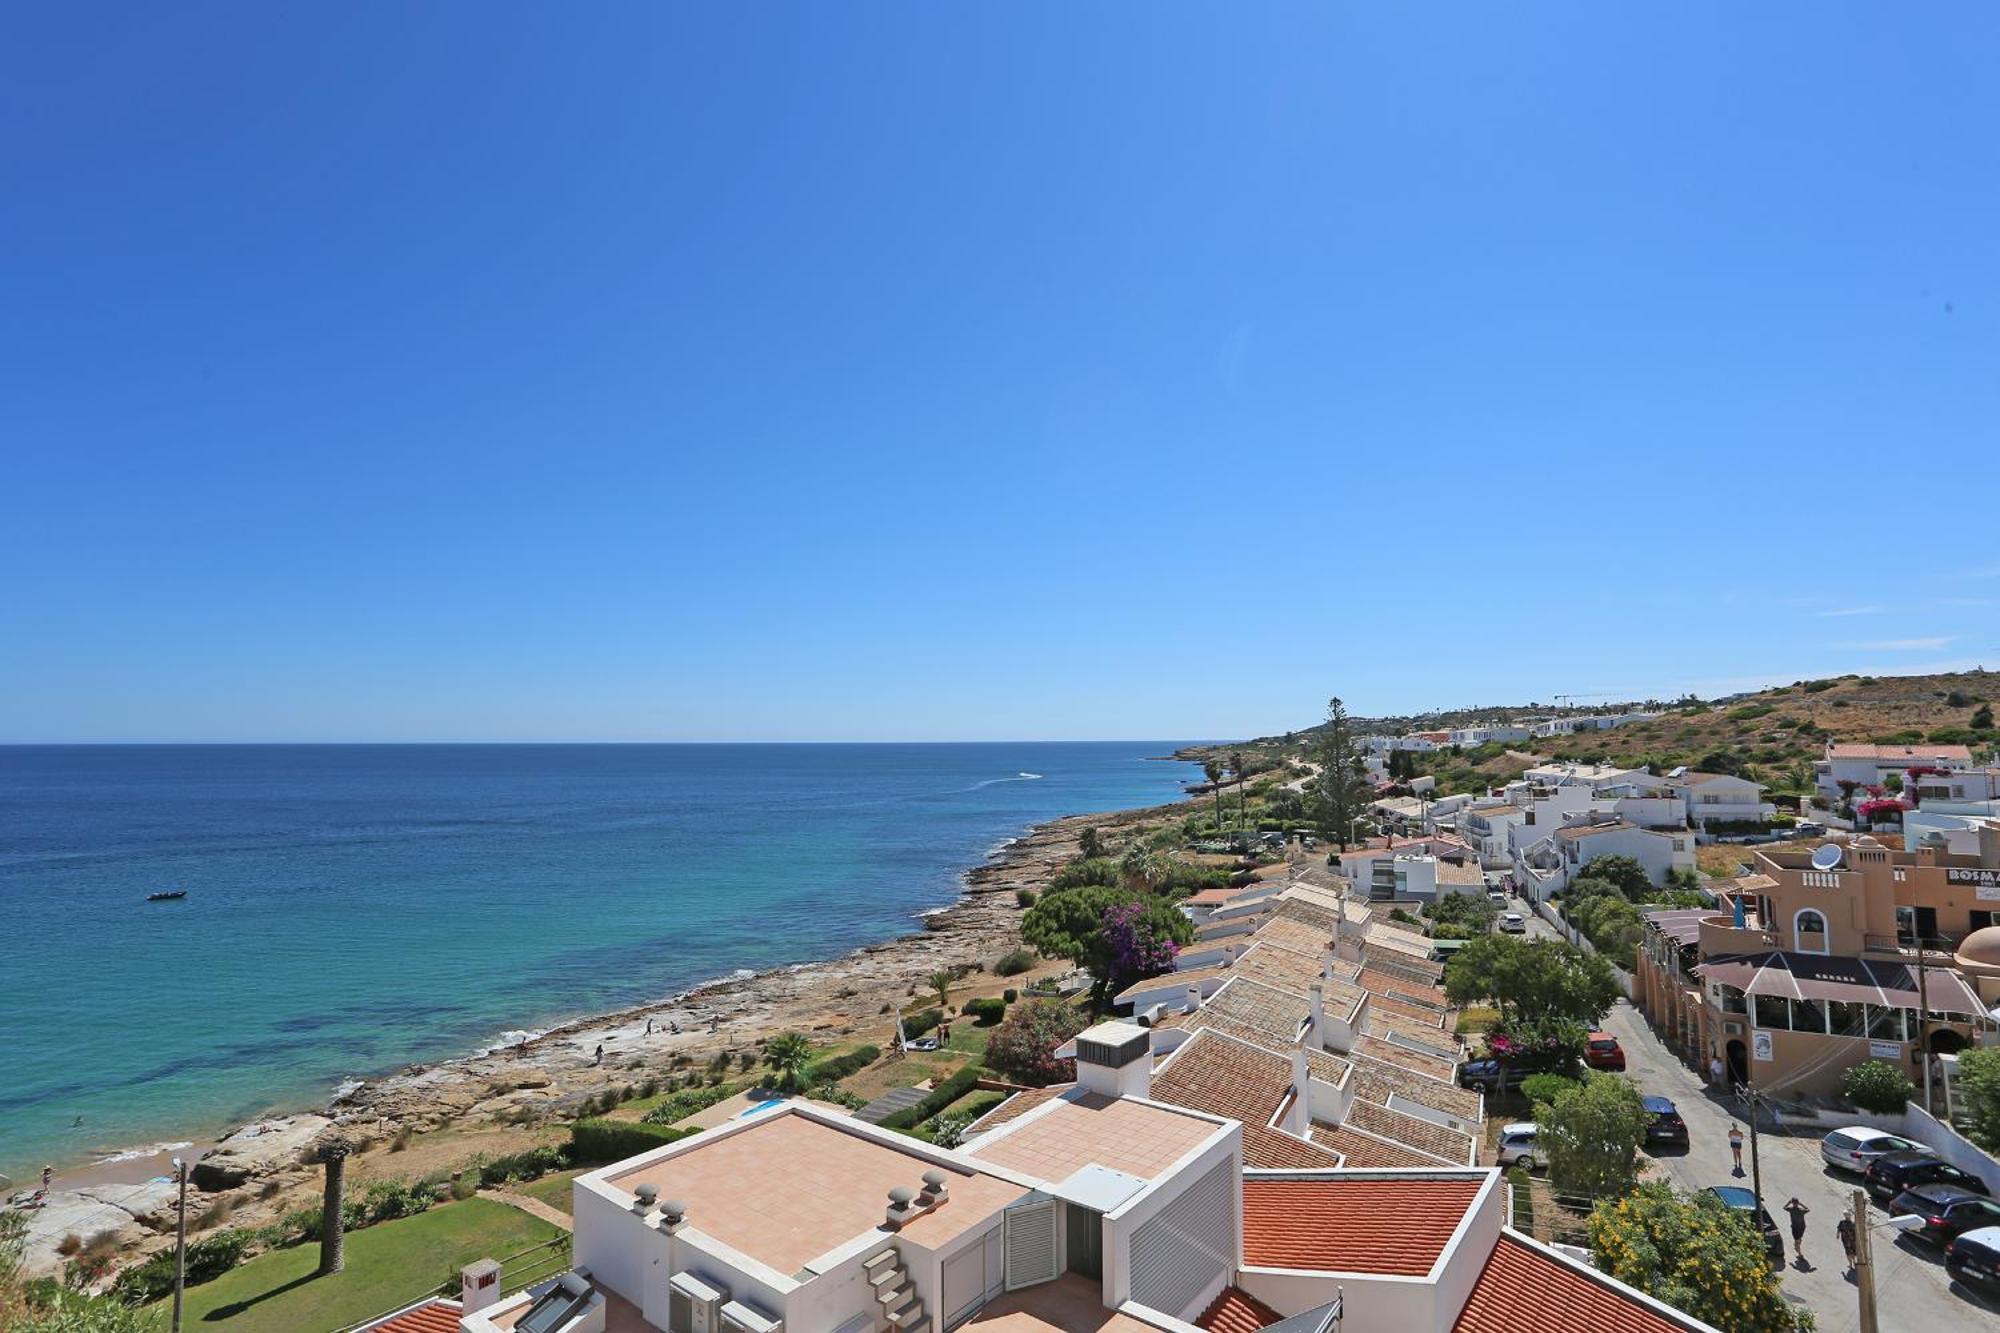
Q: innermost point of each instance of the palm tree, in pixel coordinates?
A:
(940, 982)
(1242, 809)
(331, 1150)
(1143, 868)
(788, 1054)
(1212, 770)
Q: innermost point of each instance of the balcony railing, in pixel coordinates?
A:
(1935, 946)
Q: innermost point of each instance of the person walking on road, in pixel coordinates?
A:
(1798, 1212)
(1715, 1071)
(1736, 1147)
(1846, 1232)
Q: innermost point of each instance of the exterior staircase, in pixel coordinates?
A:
(902, 1309)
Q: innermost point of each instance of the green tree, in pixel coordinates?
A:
(1979, 1088)
(1532, 979)
(1982, 718)
(788, 1054)
(1694, 1254)
(1340, 792)
(1798, 777)
(1091, 844)
(1212, 770)
(1591, 1135)
(940, 983)
(1070, 925)
(1144, 869)
(1236, 768)
(1622, 873)
(1878, 1086)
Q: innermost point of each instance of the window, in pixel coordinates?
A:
(1773, 1013)
(1732, 1000)
(1808, 1016)
(1885, 1024)
(1847, 1020)
(1809, 931)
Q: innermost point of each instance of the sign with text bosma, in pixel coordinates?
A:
(1985, 883)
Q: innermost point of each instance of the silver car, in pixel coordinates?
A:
(1855, 1148)
(1518, 1146)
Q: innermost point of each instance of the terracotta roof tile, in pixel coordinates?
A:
(1360, 1149)
(1523, 1286)
(1291, 908)
(1421, 1014)
(1291, 933)
(1275, 965)
(1194, 976)
(433, 1316)
(1436, 1066)
(1224, 1076)
(1015, 1107)
(1394, 1225)
(1275, 1150)
(1381, 981)
(1445, 1144)
(1237, 1311)
(1433, 1040)
(1378, 1080)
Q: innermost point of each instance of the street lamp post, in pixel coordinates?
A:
(180, 1239)
(1864, 1263)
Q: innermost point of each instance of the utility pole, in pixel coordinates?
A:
(180, 1240)
(1864, 1270)
(1923, 1027)
(1756, 1172)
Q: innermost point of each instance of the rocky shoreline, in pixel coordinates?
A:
(546, 1077)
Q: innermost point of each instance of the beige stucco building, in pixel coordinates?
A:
(1810, 966)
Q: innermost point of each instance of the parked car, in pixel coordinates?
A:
(1512, 924)
(1947, 1210)
(1974, 1259)
(1664, 1123)
(1497, 898)
(1604, 1052)
(1854, 1148)
(1892, 1173)
(1490, 1076)
(1744, 1201)
(1809, 828)
(1518, 1146)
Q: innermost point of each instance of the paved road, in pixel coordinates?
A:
(1913, 1293)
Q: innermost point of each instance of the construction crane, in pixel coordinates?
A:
(1573, 697)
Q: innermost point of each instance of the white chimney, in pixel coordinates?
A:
(1193, 1000)
(1301, 1116)
(1114, 1059)
(478, 1285)
(1318, 1029)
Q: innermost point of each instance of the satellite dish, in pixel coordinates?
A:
(1827, 856)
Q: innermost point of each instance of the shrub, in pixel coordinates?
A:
(939, 1097)
(529, 1165)
(1877, 1085)
(1023, 1047)
(985, 1010)
(1591, 1136)
(917, 1024)
(614, 1140)
(1014, 962)
(687, 1101)
(837, 1067)
(1025, 897)
(1546, 1087)
(387, 1200)
(207, 1259)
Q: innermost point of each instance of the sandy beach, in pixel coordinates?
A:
(546, 1076)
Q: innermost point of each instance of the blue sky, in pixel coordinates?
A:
(489, 371)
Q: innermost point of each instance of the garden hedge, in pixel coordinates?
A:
(597, 1140)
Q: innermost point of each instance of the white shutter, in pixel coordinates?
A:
(1032, 1254)
(1182, 1249)
(964, 1283)
(996, 1263)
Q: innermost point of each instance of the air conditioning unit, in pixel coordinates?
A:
(693, 1305)
(740, 1318)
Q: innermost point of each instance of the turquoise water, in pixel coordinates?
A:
(351, 909)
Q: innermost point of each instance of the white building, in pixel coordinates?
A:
(1710, 797)
(1549, 864)
(1487, 732)
(1869, 765)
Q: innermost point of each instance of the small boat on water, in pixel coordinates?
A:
(166, 895)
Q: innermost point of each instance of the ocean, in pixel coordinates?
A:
(351, 909)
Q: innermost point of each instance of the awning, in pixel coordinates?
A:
(1811, 976)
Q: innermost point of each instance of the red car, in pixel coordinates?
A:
(1604, 1052)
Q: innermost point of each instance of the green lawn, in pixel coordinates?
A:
(554, 1188)
(388, 1265)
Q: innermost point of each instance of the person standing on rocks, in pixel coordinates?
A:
(600, 1054)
